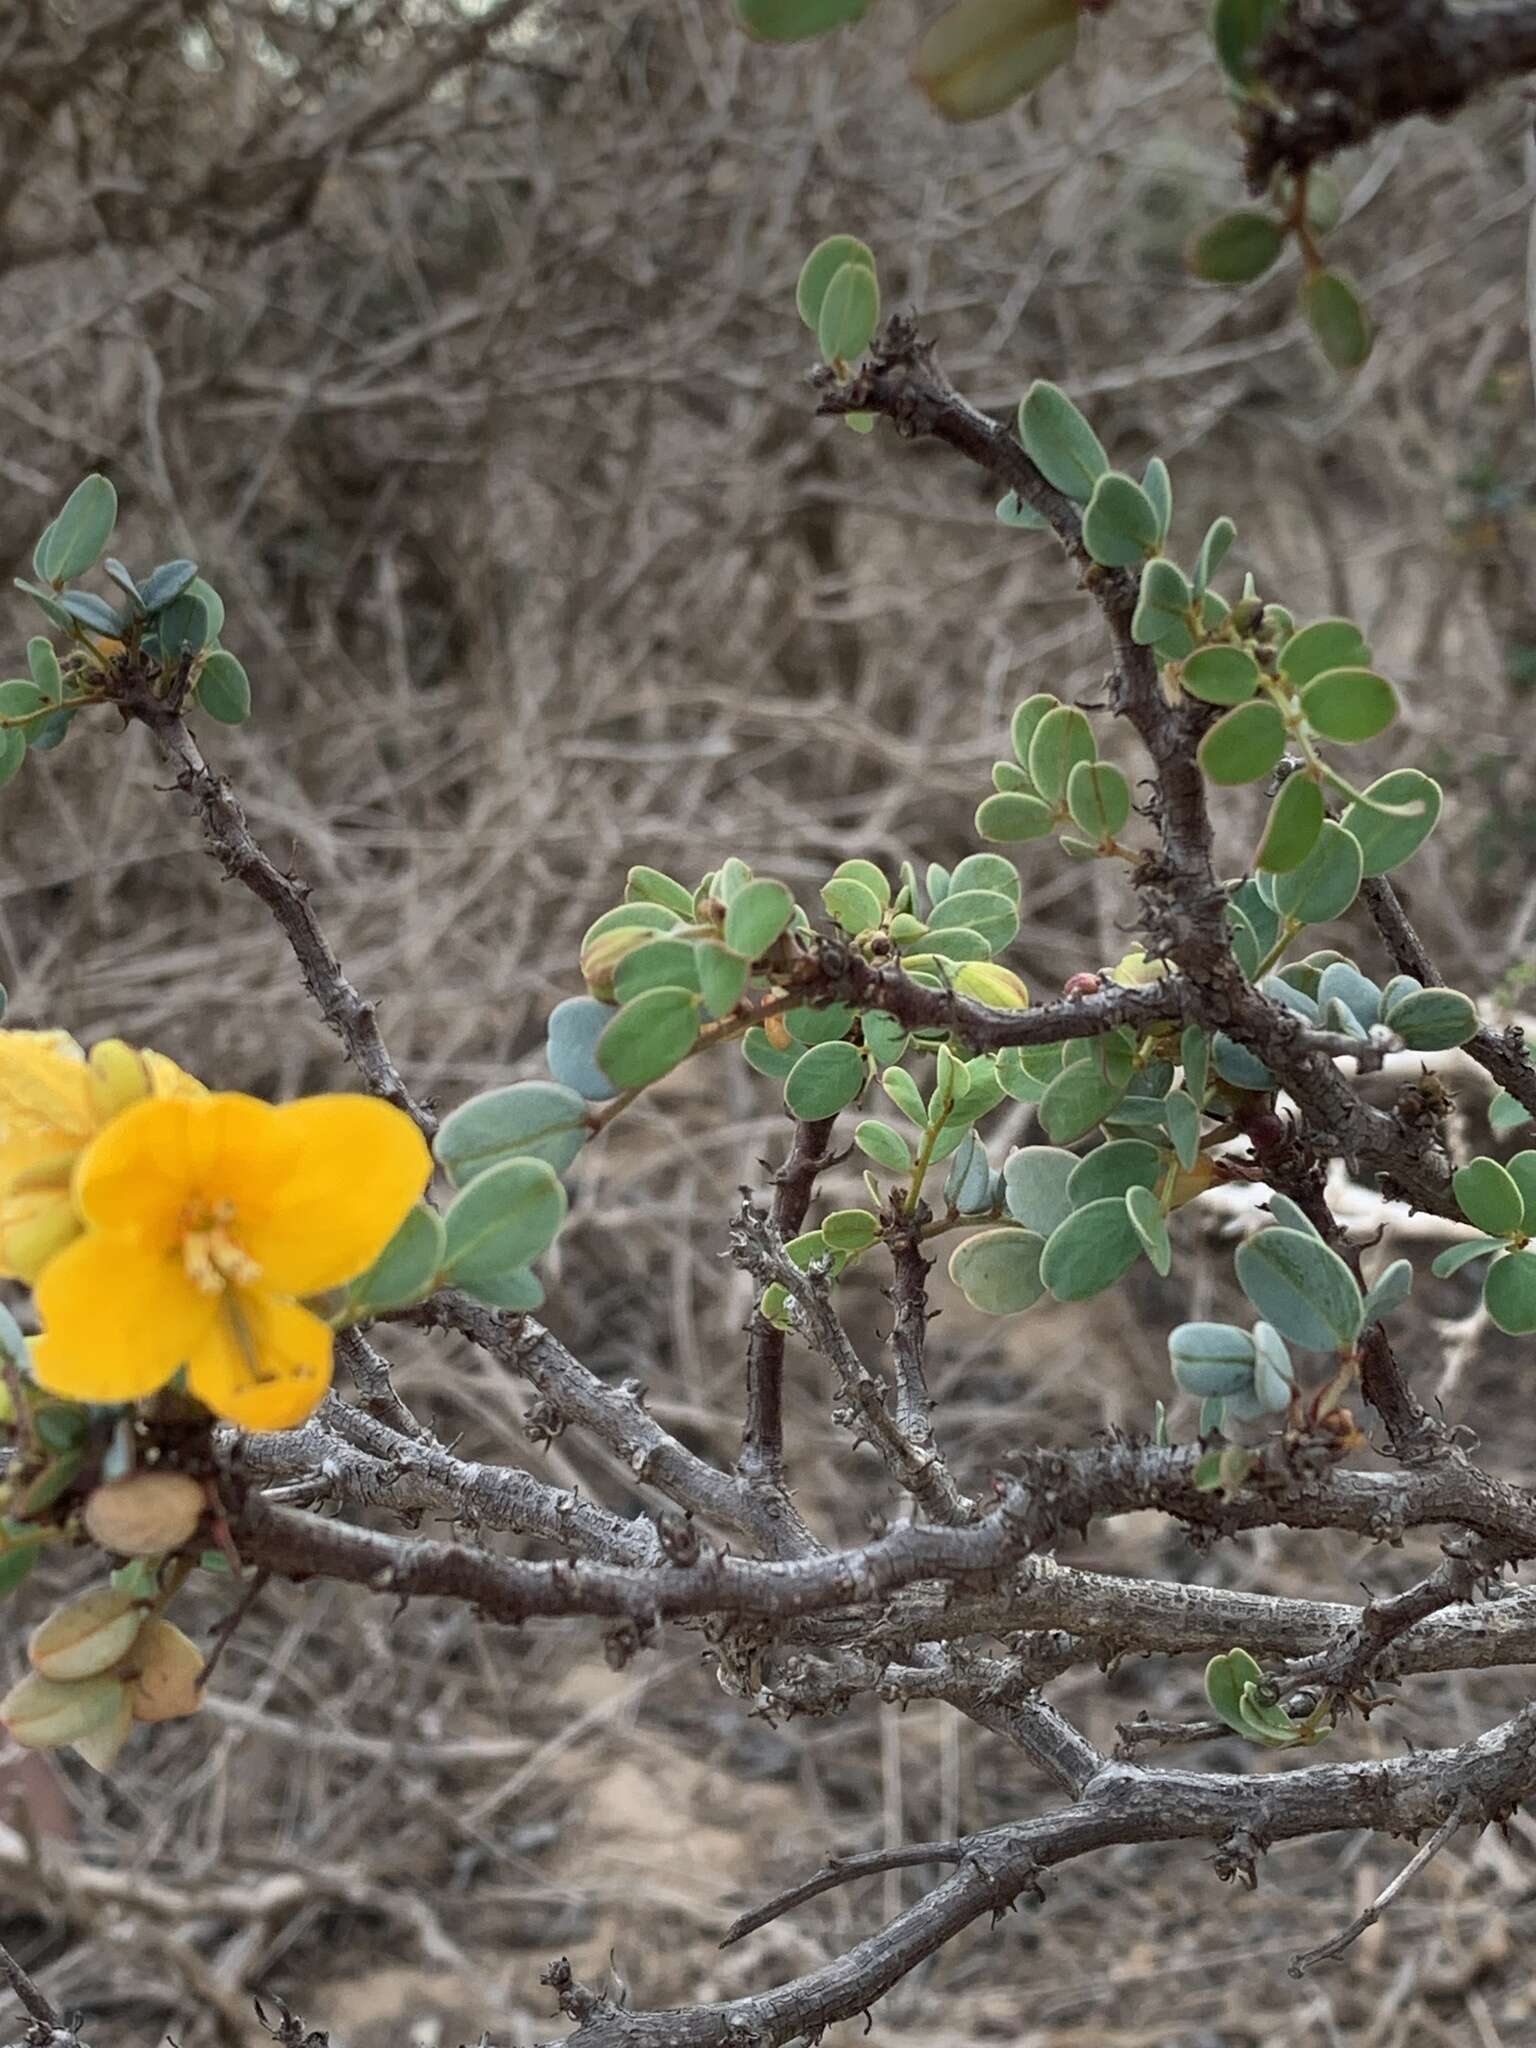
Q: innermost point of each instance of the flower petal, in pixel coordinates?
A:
(263, 1363)
(118, 1320)
(317, 1207)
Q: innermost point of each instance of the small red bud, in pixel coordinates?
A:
(1082, 985)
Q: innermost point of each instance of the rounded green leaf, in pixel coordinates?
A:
(1151, 1227)
(501, 1222)
(850, 1230)
(1433, 1020)
(649, 1036)
(1455, 1256)
(1337, 317)
(570, 1050)
(1489, 1197)
(166, 581)
(184, 626)
(534, 1119)
(650, 917)
(722, 975)
(850, 313)
(828, 257)
(998, 1271)
(1293, 826)
(1522, 1171)
(987, 871)
(968, 1184)
(407, 1268)
(886, 1147)
(1057, 439)
(1389, 1290)
(1090, 1250)
(1061, 740)
(1211, 1360)
(1325, 884)
(1324, 645)
(987, 911)
(1010, 818)
(1238, 27)
(1035, 1187)
(1237, 248)
(661, 963)
(1026, 718)
(1243, 745)
(1221, 675)
(1120, 524)
(981, 55)
(224, 689)
(1509, 1293)
(851, 904)
(1274, 1376)
(1111, 1169)
(76, 538)
(1158, 485)
(824, 1080)
(1343, 982)
(1302, 1287)
(650, 885)
(1219, 536)
(1099, 798)
(1164, 599)
(905, 1093)
(794, 21)
(813, 1026)
(757, 915)
(1349, 704)
(1012, 510)
(1079, 1098)
(1387, 841)
(764, 1057)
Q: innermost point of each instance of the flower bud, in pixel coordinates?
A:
(778, 1033)
(101, 1747)
(40, 1713)
(145, 1515)
(600, 960)
(168, 1665)
(37, 1218)
(119, 1077)
(1081, 985)
(985, 982)
(86, 1637)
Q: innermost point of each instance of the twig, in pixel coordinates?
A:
(1308, 1958)
(49, 2028)
(909, 1333)
(840, 1870)
(371, 1376)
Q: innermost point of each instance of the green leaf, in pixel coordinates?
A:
(968, 1184)
(1238, 27)
(1194, 1058)
(1211, 1360)
(998, 1271)
(1058, 440)
(570, 1049)
(1151, 1227)
(185, 625)
(757, 915)
(13, 751)
(1090, 1250)
(1219, 536)
(721, 974)
(981, 55)
(905, 1093)
(500, 1223)
(1455, 1256)
(1079, 1098)
(1158, 485)
(1239, 1067)
(1161, 607)
(1012, 510)
(649, 1036)
(1304, 1288)
(532, 1119)
(1221, 675)
(1349, 704)
(46, 603)
(1120, 525)
(1386, 842)
(828, 257)
(1337, 317)
(1035, 1187)
(1509, 1293)
(1325, 884)
(651, 917)
(988, 871)
(663, 963)
(1274, 1376)
(1026, 718)
(76, 538)
(1433, 1020)
(650, 885)
(824, 1080)
(1343, 982)
(1110, 1169)
(1099, 798)
(887, 1148)
(850, 313)
(224, 689)
(1522, 1171)
(1243, 745)
(166, 582)
(85, 608)
(1293, 827)
(1183, 1127)
(850, 1230)
(813, 1026)
(1489, 1197)
(1235, 249)
(851, 904)
(43, 665)
(1389, 1290)
(1008, 819)
(1061, 740)
(794, 21)
(884, 1038)
(1506, 1114)
(407, 1268)
(987, 911)
(1325, 644)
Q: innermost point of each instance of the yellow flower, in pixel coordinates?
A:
(53, 1101)
(205, 1219)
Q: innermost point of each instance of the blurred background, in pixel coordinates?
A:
(458, 345)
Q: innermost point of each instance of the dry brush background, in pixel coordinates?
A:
(464, 359)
